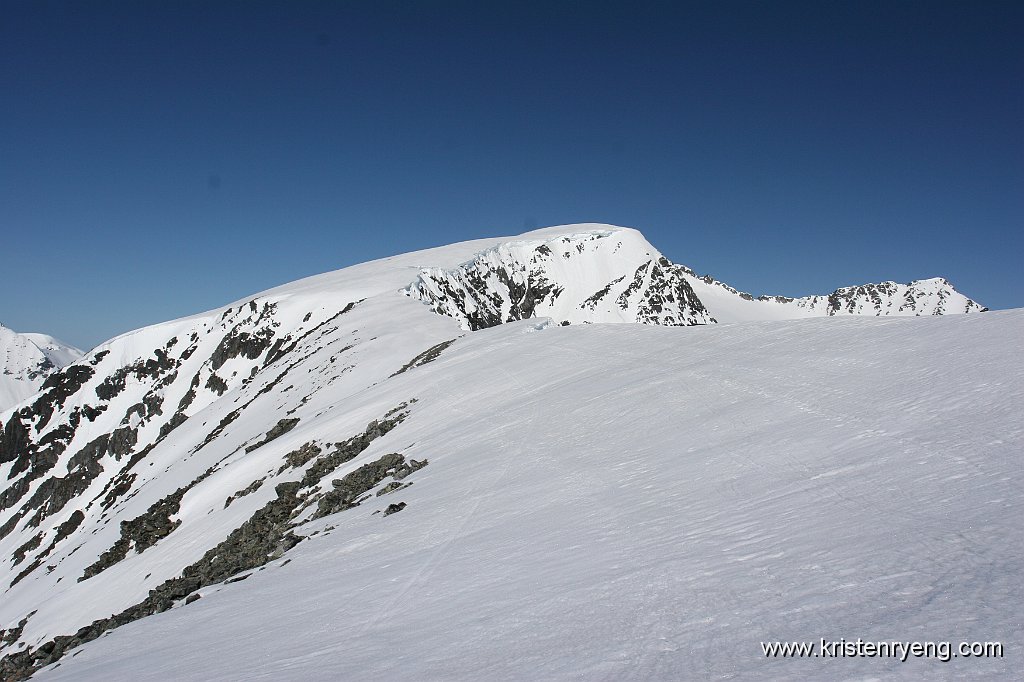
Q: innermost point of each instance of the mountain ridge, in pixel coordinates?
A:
(217, 435)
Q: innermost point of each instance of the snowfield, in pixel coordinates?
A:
(528, 501)
(627, 502)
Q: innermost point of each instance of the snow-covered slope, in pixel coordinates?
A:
(355, 485)
(25, 362)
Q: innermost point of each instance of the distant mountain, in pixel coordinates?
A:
(604, 275)
(26, 360)
(448, 465)
(934, 296)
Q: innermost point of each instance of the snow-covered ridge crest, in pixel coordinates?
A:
(935, 296)
(614, 275)
(579, 277)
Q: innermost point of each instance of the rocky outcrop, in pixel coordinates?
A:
(429, 355)
(347, 491)
(282, 427)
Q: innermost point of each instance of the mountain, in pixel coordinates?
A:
(26, 360)
(614, 275)
(414, 468)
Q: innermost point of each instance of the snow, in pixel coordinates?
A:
(25, 362)
(617, 502)
(602, 501)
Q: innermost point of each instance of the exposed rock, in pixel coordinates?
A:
(237, 343)
(19, 554)
(513, 282)
(14, 438)
(392, 487)
(68, 527)
(216, 384)
(350, 448)
(429, 355)
(347, 491)
(282, 427)
(56, 491)
(300, 456)
(176, 420)
(122, 440)
(592, 301)
(151, 368)
(279, 350)
(57, 388)
(393, 508)
(248, 490)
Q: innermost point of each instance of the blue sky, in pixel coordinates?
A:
(160, 159)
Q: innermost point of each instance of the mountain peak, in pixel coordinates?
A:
(26, 360)
(571, 276)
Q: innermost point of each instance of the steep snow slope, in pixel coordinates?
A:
(25, 362)
(187, 454)
(600, 505)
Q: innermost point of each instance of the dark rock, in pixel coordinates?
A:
(392, 487)
(282, 427)
(238, 343)
(14, 439)
(57, 388)
(300, 456)
(346, 491)
(393, 508)
(248, 490)
(176, 420)
(19, 553)
(70, 526)
(216, 384)
(122, 440)
(426, 356)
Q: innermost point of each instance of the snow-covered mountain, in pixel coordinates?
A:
(337, 477)
(26, 360)
(934, 296)
(603, 274)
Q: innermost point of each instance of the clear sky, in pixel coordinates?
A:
(158, 159)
